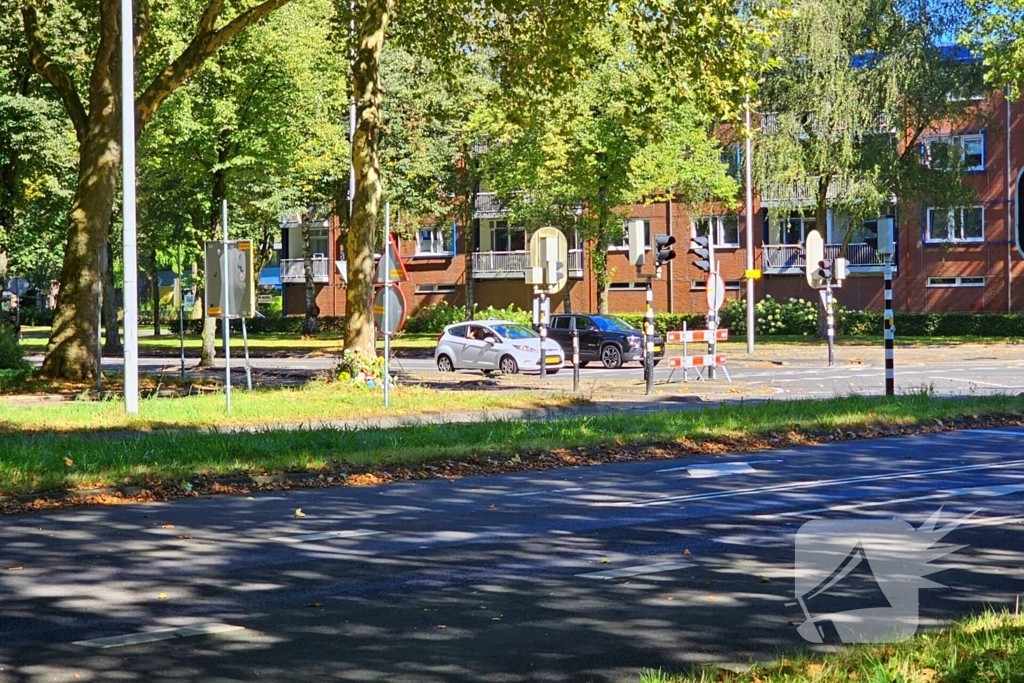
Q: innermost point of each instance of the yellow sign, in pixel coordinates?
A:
(752, 274)
(244, 246)
(213, 311)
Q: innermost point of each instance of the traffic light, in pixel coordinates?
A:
(699, 248)
(824, 271)
(663, 251)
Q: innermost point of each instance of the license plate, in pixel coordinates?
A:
(552, 360)
(657, 349)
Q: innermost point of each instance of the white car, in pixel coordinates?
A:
(495, 345)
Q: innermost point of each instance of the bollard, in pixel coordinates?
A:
(575, 361)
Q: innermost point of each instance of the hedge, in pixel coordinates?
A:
(849, 323)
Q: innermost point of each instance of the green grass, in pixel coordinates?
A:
(33, 462)
(988, 648)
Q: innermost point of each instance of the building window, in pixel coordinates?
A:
(436, 240)
(702, 285)
(957, 151)
(319, 243)
(622, 243)
(960, 281)
(727, 229)
(792, 229)
(504, 238)
(435, 289)
(627, 286)
(956, 225)
(732, 157)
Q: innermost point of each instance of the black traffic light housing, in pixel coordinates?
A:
(699, 248)
(824, 270)
(663, 252)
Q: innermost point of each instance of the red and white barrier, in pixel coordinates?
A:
(694, 336)
(707, 360)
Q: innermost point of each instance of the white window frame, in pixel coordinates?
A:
(623, 243)
(953, 226)
(702, 285)
(627, 286)
(442, 234)
(719, 222)
(435, 289)
(956, 281)
(957, 142)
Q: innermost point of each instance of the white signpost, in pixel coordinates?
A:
(389, 304)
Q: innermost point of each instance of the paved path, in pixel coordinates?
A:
(489, 579)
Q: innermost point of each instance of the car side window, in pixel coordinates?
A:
(459, 332)
(478, 333)
(561, 323)
(584, 324)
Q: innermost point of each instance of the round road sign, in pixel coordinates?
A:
(715, 292)
(18, 286)
(396, 309)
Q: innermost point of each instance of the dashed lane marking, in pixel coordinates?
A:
(158, 635)
(641, 570)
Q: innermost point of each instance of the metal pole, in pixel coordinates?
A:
(575, 360)
(543, 337)
(649, 340)
(181, 307)
(830, 323)
(130, 242)
(387, 309)
(225, 306)
(890, 331)
(751, 323)
(245, 350)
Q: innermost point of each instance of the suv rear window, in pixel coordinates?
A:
(560, 322)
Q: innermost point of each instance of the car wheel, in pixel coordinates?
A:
(508, 365)
(444, 364)
(553, 371)
(611, 356)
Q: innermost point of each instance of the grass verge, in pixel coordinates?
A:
(988, 647)
(52, 461)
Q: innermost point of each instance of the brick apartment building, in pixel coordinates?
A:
(942, 265)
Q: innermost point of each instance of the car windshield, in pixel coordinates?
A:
(515, 331)
(609, 323)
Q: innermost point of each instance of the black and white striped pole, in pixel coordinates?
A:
(890, 332)
(575, 360)
(649, 340)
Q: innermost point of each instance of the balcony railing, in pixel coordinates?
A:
(512, 265)
(788, 259)
(293, 270)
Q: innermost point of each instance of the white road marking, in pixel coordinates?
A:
(991, 491)
(722, 469)
(976, 381)
(686, 467)
(160, 634)
(781, 488)
(351, 533)
(541, 493)
(656, 568)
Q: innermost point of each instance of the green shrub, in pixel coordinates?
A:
(433, 319)
(512, 313)
(12, 356)
(799, 316)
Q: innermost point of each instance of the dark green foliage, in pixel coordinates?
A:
(12, 357)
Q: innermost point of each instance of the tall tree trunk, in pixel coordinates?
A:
(309, 325)
(112, 345)
(3, 269)
(359, 333)
(599, 257)
(71, 352)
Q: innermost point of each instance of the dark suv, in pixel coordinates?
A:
(606, 338)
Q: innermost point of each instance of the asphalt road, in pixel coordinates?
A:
(804, 373)
(490, 579)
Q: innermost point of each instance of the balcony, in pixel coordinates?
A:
(788, 259)
(293, 270)
(512, 265)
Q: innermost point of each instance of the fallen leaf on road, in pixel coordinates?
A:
(250, 498)
(686, 552)
(712, 598)
(495, 618)
(14, 569)
(605, 560)
(299, 512)
(167, 526)
(490, 505)
(315, 604)
(162, 596)
(764, 579)
(184, 537)
(441, 626)
(670, 598)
